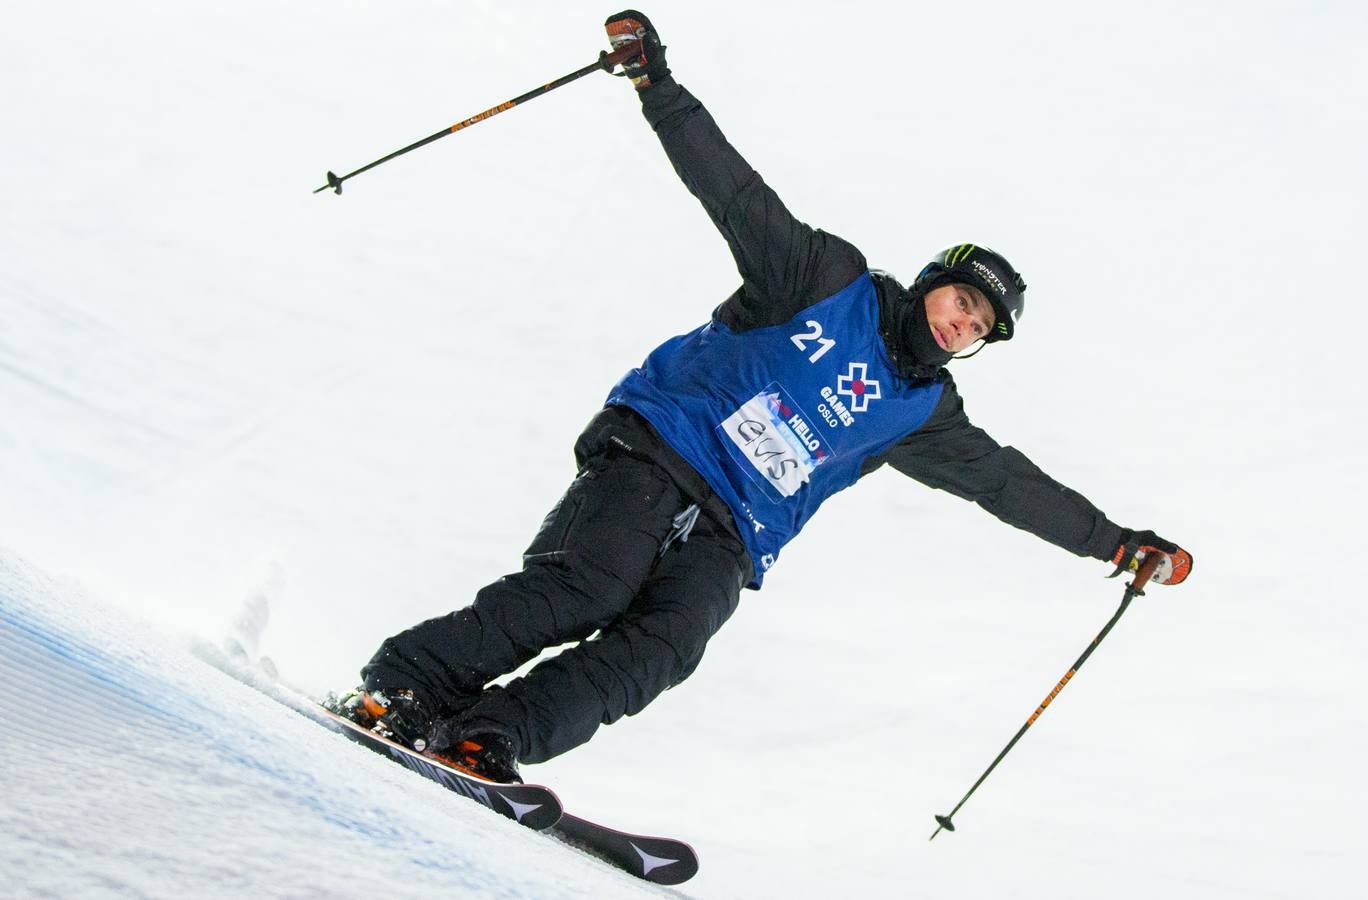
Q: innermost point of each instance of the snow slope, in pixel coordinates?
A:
(207, 371)
(153, 774)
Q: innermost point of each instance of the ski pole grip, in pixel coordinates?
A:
(608, 61)
(1146, 570)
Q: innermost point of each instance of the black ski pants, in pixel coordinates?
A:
(595, 575)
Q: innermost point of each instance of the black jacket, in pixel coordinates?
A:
(787, 266)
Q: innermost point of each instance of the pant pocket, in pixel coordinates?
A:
(553, 537)
(613, 518)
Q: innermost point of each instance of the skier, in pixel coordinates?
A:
(708, 458)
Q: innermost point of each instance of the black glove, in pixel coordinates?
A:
(1136, 545)
(648, 68)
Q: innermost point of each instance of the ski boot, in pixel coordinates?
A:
(396, 715)
(487, 756)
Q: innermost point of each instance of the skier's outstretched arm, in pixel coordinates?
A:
(785, 265)
(952, 454)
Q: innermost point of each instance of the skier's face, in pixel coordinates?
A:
(958, 314)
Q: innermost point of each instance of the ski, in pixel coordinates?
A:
(659, 860)
(532, 805)
(655, 859)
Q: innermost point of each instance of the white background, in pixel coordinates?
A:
(205, 368)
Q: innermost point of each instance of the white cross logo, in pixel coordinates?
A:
(859, 389)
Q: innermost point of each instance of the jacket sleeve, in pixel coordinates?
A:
(785, 265)
(950, 453)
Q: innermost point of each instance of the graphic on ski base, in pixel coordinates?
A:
(659, 860)
(655, 859)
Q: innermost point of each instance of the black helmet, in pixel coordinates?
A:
(985, 270)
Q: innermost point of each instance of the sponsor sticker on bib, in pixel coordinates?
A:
(774, 442)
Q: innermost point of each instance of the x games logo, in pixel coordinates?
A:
(860, 389)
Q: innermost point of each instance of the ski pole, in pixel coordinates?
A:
(1133, 590)
(606, 62)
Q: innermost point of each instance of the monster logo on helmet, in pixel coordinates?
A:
(986, 270)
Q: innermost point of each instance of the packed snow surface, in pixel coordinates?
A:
(216, 384)
(138, 770)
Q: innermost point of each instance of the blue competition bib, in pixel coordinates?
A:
(778, 419)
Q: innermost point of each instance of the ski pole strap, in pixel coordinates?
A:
(683, 525)
(1128, 551)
